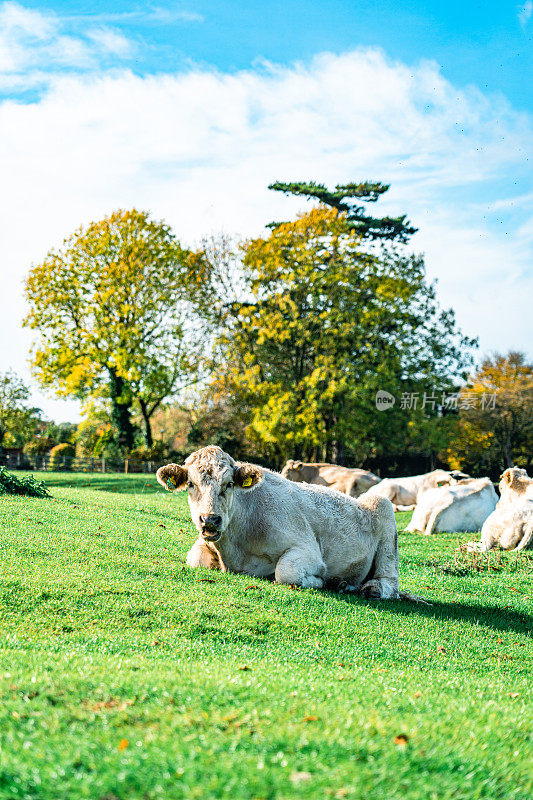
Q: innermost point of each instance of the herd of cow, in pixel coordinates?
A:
(442, 501)
(317, 525)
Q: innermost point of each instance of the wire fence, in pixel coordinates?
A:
(46, 463)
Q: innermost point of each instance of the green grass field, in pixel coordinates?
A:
(124, 675)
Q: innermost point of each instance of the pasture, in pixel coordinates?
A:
(125, 675)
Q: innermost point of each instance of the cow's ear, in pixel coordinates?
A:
(172, 477)
(247, 475)
(443, 482)
(507, 476)
(297, 464)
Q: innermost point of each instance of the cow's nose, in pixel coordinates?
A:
(211, 522)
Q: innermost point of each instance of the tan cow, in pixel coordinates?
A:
(403, 492)
(352, 482)
(515, 486)
(510, 526)
(254, 521)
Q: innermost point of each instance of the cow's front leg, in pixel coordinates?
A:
(200, 555)
(304, 568)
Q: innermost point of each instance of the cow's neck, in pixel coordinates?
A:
(232, 548)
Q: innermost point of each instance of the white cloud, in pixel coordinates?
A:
(525, 12)
(200, 148)
(16, 18)
(35, 45)
(111, 41)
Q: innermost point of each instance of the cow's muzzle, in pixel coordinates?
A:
(211, 526)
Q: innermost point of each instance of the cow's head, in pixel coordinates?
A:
(212, 479)
(293, 471)
(514, 481)
(444, 478)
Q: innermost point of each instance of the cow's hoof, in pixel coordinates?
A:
(372, 590)
(312, 582)
(346, 587)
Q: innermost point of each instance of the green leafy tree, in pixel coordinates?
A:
(111, 307)
(322, 325)
(346, 199)
(18, 421)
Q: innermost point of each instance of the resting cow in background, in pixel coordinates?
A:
(403, 492)
(462, 507)
(510, 526)
(515, 486)
(254, 521)
(352, 482)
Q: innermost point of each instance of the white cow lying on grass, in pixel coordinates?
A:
(462, 507)
(254, 521)
(510, 526)
(403, 492)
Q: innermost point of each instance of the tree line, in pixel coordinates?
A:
(275, 346)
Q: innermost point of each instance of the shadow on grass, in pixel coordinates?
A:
(120, 484)
(497, 617)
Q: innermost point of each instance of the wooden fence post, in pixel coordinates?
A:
(126, 467)
(103, 465)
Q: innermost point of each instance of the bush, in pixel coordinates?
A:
(61, 456)
(10, 484)
(39, 446)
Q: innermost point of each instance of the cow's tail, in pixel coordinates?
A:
(414, 598)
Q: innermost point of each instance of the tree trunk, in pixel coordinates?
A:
(121, 410)
(148, 438)
(508, 456)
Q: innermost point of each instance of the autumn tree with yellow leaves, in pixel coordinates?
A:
(495, 426)
(110, 308)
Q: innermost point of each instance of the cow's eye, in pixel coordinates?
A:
(190, 484)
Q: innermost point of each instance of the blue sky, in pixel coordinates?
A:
(190, 109)
(485, 43)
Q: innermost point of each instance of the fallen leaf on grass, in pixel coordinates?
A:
(112, 703)
(245, 667)
(298, 777)
(340, 793)
(205, 580)
(161, 526)
(514, 694)
(257, 588)
(310, 718)
(123, 744)
(401, 740)
(498, 640)
(441, 649)
(417, 695)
